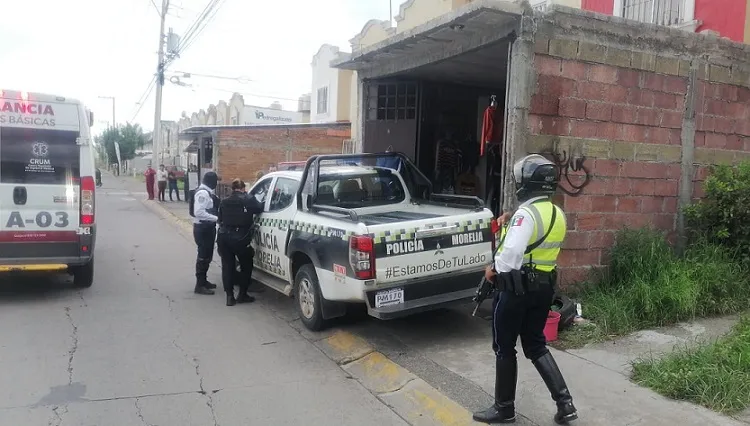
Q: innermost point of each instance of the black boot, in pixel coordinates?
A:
(200, 289)
(503, 410)
(231, 301)
(208, 284)
(201, 283)
(550, 372)
(243, 297)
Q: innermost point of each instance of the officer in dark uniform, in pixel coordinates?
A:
(524, 275)
(236, 226)
(205, 211)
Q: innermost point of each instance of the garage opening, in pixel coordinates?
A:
(449, 117)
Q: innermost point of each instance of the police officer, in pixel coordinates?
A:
(236, 226)
(524, 275)
(205, 213)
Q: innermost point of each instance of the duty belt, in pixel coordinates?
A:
(227, 228)
(524, 281)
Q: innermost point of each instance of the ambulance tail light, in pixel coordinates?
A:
(495, 229)
(362, 257)
(87, 200)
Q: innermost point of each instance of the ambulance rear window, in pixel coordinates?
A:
(34, 156)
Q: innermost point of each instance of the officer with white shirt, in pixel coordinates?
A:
(524, 275)
(205, 212)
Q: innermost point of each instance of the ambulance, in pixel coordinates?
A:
(47, 186)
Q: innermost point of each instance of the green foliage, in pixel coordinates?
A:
(723, 215)
(130, 137)
(648, 285)
(716, 375)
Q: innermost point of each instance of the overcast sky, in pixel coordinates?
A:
(91, 48)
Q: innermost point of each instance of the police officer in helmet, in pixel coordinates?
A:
(236, 227)
(205, 211)
(524, 275)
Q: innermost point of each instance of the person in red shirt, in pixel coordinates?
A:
(150, 174)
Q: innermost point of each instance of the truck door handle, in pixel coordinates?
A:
(19, 195)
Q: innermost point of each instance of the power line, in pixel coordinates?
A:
(245, 93)
(156, 7)
(144, 97)
(194, 29)
(218, 4)
(240, 79)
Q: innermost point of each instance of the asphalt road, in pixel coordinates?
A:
(140, 348)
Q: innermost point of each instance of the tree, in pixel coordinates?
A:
(130, 137)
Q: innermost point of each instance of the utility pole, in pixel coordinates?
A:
(159, 85)
(112, 98)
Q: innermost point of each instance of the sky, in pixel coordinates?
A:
(85, 49)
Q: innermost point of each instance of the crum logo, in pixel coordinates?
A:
(566, 163)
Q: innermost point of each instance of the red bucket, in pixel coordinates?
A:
(550, 330)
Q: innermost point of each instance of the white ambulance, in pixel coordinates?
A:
(47, 186)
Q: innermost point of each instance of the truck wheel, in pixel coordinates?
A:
(83, 276)
(566, 308)
(308, 299)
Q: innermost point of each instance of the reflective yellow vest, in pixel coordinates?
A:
(545, 255)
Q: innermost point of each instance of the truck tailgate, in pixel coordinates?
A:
(430, 246)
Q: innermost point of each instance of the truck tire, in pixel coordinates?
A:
(83, 276)
(566, 308)
(308, 299)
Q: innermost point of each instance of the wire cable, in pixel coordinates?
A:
(144, 97)
(217, 6)
(243, 93)
(156, 7)
(240, 79)
(194, 26)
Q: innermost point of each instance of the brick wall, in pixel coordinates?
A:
(243, 151)
(623, 110)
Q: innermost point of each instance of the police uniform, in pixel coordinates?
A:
(236, 228)
(525, 277)
(205, 213)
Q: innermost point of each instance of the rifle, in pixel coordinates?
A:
(484, 290)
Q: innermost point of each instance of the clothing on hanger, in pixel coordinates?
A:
(492, 126)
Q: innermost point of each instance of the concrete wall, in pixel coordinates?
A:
(648, 116)
(243, 152)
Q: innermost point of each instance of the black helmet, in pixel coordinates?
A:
(211, 179)
(535, 176)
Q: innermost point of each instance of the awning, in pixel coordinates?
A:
(192, 148)
(479, 23)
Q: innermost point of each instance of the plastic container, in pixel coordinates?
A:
(550, 329)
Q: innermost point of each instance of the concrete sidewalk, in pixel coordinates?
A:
(598, 375)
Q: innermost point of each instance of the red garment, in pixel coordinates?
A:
(150, 178)
(492, 127)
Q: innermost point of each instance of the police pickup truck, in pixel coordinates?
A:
(367, 229)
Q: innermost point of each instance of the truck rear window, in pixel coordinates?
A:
(364, 190)
(34, 156)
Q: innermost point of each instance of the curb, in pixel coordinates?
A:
(410, 397)
(413, 399)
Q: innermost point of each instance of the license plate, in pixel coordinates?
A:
(389, 297)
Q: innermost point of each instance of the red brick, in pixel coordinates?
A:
(647, 117)
(598, 111)
(570, 107)
(544, 105)
(604, 167)
(674, 171)
(632, 133)
(589, 221)
(746, 144)
(663, 221)
(576, 241)
(535, 124)
(743, 128)
(596, 186)
(743, 94)
(607, 131)
(567, 257)
(583, 129)
(644, 170)
(603, 74)
(726, 92)
(602, 239)
(619, 186)
(735, 143)
(658, 135)
(653, 81)
(665, 100)
(549, 85)
(581, 203)
(704, 123)
(628, 205)
(624, 114)
(642, 187)
(603, 204)
(628, 78)
(570, 276)
(675, 136)
(737, 110)
(666, 188)
(700, 139)
(670, 205)
(640, 97)
(723, 125)
(698, 191)
(716, 140)
(547, 65)
(574, 69)
(595, 91)
(702, 172)
(555, 126)
(587, 257)
(716, 107)
(674, 84)
(671, 119)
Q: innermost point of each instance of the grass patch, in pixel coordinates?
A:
(648, 285)
(578, 336)
(716, 375)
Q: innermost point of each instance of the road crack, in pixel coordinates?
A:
(57, 420)
(74, 346)
(140, 413)
(202, 390)
(398, 388)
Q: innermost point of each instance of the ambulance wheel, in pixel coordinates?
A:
(308, 299)
(83, 276)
